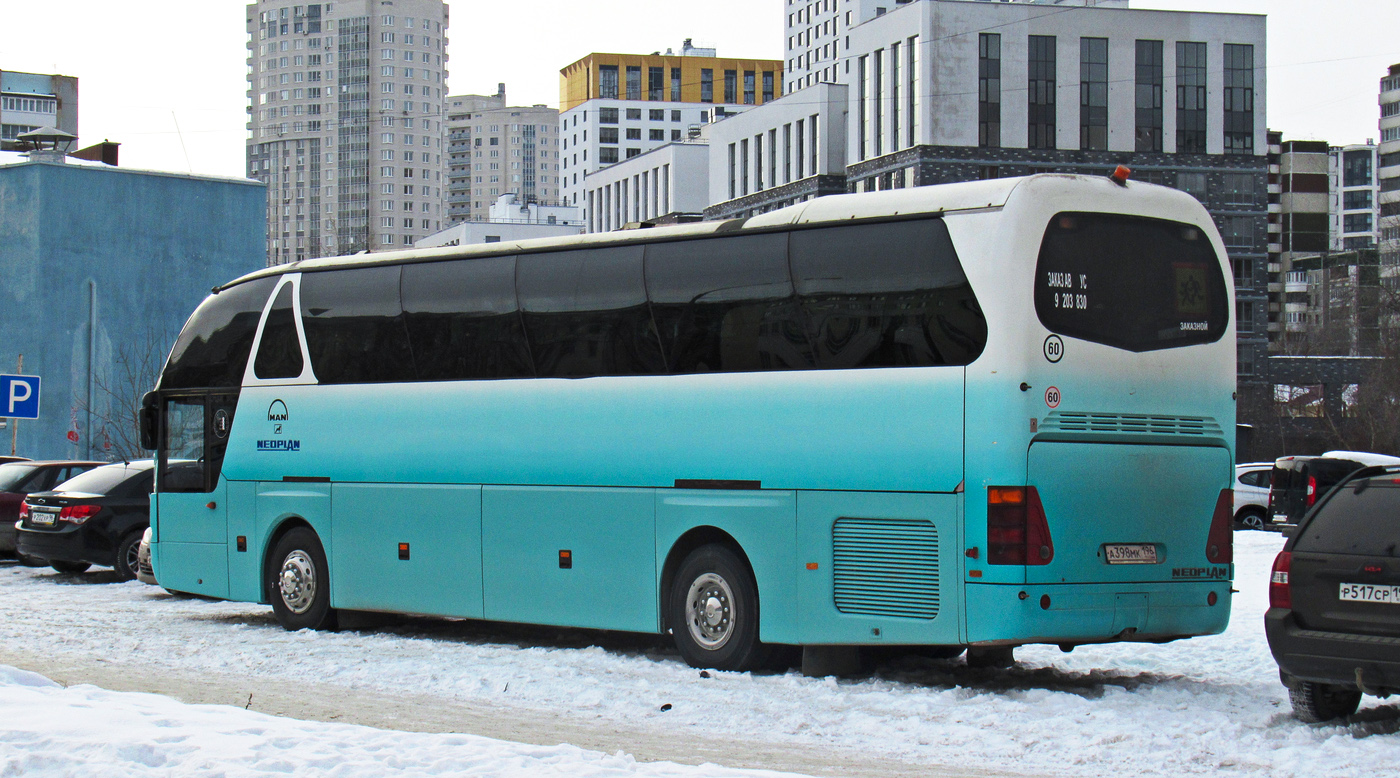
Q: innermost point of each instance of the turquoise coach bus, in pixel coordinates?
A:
(976, 415)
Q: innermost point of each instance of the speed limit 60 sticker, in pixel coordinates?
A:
(1052, 397)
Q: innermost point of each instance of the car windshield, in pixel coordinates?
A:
(101, 480)
(14, 474)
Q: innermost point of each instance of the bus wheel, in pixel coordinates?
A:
(713, 611)
(298, 582)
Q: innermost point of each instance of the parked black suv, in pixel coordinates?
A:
(95, 518)
(1334, 598)
(1299, 482)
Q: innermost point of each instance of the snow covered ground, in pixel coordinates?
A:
(1208, 706)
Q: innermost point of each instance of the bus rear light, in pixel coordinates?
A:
(1017, 532)
(1220, 543)
(1280, 595)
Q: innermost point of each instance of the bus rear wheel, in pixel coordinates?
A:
(713, 611)
(298, 582)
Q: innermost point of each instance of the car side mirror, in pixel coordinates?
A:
(148, 420)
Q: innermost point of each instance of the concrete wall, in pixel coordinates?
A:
(148, 246)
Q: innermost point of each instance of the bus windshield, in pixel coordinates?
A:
(1130, 282)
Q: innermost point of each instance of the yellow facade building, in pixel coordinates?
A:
(683, 78)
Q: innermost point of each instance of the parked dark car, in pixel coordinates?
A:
(1333, 622)
(95, 518)
(1300, 481)
(18, 479)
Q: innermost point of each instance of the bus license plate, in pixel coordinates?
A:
(1130, 553)
(1353, 592)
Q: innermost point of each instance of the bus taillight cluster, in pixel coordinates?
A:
(1017, 533)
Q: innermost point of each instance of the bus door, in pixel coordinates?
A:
(191, 515)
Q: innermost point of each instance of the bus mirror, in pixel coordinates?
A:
(150, 408)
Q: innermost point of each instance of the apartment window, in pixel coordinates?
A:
(731, 86)
(675, 85)
(675, 134)
(633, 152)
(758, 163)
(656, 135)
(1148, 97)
(1239, 188)
(607, 81)
(634, 82)
(894, 97)
(989, 90)
(707, 85)
(787, 153)
(743, 167)
(634, 114)
(1093, 94)
(911, 92)
(877, 82)
(675, 116)
(634, 133)
(656, 84)
(1190, 98)
(656, 115)
(1193, 184)
(1239, 99)
(732, 194)
(1356, 168)
(1040, 89)
(606, 116)
(767, 86)
(607, 155)
(1356, 222)
(1356, 199)
(607, 135)
(861, 108)
(748, 87)
(800, 156)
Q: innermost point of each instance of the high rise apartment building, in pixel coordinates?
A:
(345, 123)
(1354, 198)
(1388, 169)
(618, 106)
(31, 101)
(495, 149)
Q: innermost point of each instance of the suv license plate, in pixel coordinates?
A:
(1130, 553)
(1353, 592)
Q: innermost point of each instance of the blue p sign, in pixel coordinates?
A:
(19, 396)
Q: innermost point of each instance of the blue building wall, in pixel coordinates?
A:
(145, 248)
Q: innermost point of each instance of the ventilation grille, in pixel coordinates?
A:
(886, 567)
(1131, 423)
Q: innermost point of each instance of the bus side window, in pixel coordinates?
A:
(464, 320)
(726, 305)
(279, 352)
(355, 332)
(586, 313)
(886, 295)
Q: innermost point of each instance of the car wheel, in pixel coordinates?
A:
(127, 556)
(298, 582)
(713, 611)
(68, 567)
(1318, 702)
(1250, 519)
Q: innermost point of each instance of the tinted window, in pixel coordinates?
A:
(1362, 517)
(279, 353)
(1130, 282)
(586, 313)
(355, 332)
(463, 320)
(103, 480)
(886, 295)
(212, 349)
(726, 305)
(14, 476)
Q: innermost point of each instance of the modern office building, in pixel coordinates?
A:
(345, 123)
(1388, 175)
(1354, 204)
(617, 106)
(32, 101)
(666, 185)
(495, 149)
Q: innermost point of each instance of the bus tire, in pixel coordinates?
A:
(298, 582)
(713, 611)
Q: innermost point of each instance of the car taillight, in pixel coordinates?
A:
(1280, 595)
(1017, 533)
(77, 514)
(1220, 543)
(1312, 491)
(23, 511)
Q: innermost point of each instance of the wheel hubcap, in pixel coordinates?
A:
(298, 582)
(133, 558)
(709, 611)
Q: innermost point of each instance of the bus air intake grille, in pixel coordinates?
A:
(1131, 423)
(885, 567)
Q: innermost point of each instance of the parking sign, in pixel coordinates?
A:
(19, 396)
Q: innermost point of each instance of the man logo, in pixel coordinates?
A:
(277, 411)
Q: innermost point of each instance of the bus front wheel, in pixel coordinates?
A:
(298, 582)
(713, 611)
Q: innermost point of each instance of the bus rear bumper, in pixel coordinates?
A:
(1075, 614)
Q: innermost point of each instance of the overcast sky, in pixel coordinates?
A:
(167, 78)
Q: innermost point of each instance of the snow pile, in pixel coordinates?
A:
(1202, 706)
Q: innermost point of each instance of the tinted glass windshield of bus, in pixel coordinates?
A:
(212, 349)
(1130, 282)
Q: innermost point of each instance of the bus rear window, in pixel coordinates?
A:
(1130, 282)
